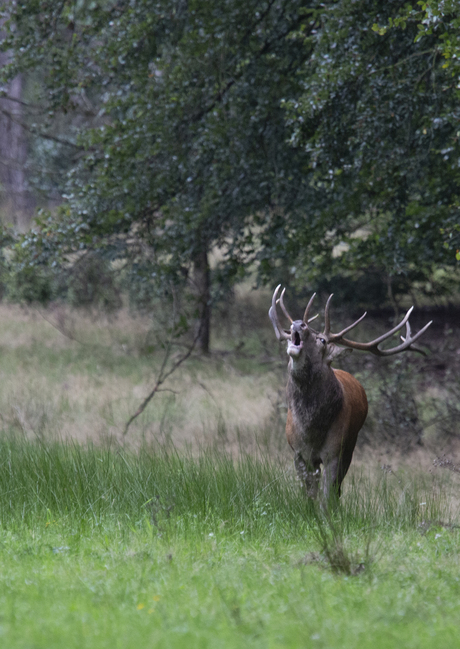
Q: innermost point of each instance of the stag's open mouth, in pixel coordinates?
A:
(295, 344)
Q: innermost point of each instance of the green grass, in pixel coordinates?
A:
(104, 548)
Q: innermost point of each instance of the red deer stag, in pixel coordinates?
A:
(326, 407)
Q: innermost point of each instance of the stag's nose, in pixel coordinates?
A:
(298, 326)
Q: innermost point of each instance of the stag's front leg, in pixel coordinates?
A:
(334, 472)
(309, 474)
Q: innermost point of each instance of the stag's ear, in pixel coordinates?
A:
(281, 334)
(334, 352)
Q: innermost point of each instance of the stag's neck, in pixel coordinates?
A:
(315, 398)
(303, 371)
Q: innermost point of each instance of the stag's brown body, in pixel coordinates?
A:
(326, 436)
(326, 407)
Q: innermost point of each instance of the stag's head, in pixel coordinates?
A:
(304, 344)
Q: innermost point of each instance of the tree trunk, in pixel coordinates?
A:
(16, 201)
(202, 288)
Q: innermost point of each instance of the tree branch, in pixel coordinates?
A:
(45, 136)
(163, 375)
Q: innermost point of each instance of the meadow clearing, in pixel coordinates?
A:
(192, 529)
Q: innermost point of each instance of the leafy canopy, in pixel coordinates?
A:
(191, 149)
(379, 116)
(307, 139)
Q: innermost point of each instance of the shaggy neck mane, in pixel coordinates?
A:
(315, 396)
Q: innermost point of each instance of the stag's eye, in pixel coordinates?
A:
(322, 340)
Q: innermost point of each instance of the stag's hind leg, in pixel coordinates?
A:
(309, 474)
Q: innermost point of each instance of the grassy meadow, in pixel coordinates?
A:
(192, 530)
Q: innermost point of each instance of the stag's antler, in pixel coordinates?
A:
(283, 308)
(280, 332)
(373, 345)
(306, 319)
(305, 315)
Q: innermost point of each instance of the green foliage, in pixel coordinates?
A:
(434, 17)
(379, 117)
(303, 140)
(191, 149)
(82, 277)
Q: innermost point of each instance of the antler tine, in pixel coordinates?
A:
(412, 347)
(407, 344)
(336, 337)
(380, 339)
(279, 331)
(408, 341)
(372, 346)
(281, 301)
(327, 321)
(327, 324)
(305, 315)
